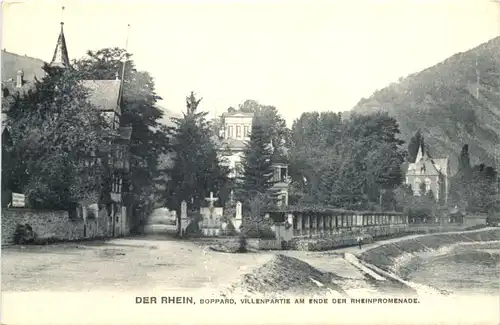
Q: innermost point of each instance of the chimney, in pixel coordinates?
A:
(19, 80)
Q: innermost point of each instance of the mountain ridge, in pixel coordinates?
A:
(447, 104)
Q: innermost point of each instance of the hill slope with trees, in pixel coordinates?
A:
(448, 105)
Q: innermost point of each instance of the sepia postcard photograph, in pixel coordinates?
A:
(250, 162)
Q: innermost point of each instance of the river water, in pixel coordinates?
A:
(460, 269)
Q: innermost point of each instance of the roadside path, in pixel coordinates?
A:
(145, 264)
(356, 251)
(333, 261)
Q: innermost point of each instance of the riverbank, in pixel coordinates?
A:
(405, 256)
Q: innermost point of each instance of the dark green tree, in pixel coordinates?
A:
(462, 181)
(482, 190)
(346, 163)
(257, 165)
(149, 139)
(57, 135)
(272, 122)
(313, 141)
(197, 167)
(416, 142)
(464, 166)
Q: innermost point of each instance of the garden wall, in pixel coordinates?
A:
(57, 225)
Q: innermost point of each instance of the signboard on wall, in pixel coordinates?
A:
(18, 200)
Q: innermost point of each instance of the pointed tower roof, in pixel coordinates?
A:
(61, 58)
(420, 153)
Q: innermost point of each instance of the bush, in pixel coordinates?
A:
(261, 231)
(242, 240)
(193, 228)
(24, 234)
(230, 229)
(493, 219)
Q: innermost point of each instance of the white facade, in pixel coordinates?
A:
(238, 126)
(234, 160)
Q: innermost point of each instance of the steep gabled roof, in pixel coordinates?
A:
(103, 93)
(441, 165)
(11, 63)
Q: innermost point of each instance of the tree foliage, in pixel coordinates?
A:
(475, 187)
(149, 139)
(197, 167)
(56, 134)
(345, 162)
(416, 142)
(271, 121)
(257, 165)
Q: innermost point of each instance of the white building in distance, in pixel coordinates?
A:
(235, 135)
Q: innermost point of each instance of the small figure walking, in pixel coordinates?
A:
(360, 241)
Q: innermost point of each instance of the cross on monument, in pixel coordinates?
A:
(211, 200)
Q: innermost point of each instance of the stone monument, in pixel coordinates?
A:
(211, 222)
(184, 219)
(238, 218)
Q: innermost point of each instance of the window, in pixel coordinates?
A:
(276, 175)
(238, 131)
(230, 131)
(283, 174)
(238, 170)
(116, 185)
(427, 185)
(246, 130)
(75, 212)
(91, 214)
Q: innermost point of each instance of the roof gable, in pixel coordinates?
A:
(237, 114)
(441, 165)
(103, 93)
(11, 63)
(423, 167)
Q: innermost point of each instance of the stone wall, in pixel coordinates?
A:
(474, 220)
(57, 225)
(346, 237)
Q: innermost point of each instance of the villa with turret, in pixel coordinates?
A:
(236, 132)
(19, 74)
(427, 174)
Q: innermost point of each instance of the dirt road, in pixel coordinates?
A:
(147, 263)
(122, 264)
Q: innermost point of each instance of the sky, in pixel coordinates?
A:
(296, 55)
